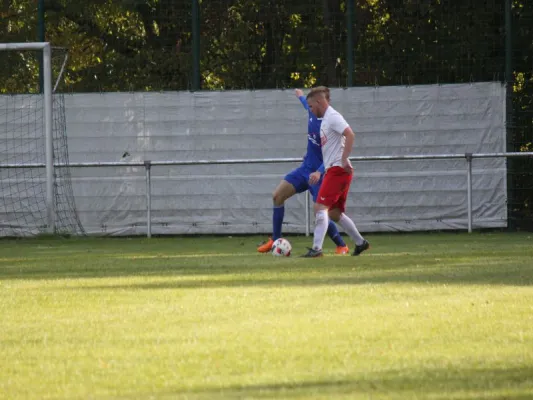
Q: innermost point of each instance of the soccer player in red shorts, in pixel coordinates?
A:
(337, 139)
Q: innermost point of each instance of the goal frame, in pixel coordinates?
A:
(46, 49)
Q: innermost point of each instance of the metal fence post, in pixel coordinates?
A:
(148, 167)
(509, 128)
(469, 189)
(196, 85)
(41, 38)
(349, 41)
(49, 138)
(508, 41)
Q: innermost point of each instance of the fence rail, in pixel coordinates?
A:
(468, 157)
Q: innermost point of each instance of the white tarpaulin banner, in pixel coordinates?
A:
(385, 196)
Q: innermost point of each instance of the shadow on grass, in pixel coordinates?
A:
(505, 260)
(444, 383)
(314, 272)
(481, 277)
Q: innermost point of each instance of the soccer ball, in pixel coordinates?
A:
(281, 248)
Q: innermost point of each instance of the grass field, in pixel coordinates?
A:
(419, 316)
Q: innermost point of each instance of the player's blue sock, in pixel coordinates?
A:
(277, 219)
(334, 234)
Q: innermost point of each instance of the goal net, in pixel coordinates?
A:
(35, 184)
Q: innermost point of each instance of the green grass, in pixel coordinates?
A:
(420, 316)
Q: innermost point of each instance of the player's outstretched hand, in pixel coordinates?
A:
(314, 178)
(298, 93)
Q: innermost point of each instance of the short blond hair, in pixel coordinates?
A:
(319, 90)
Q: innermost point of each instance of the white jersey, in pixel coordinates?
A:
(331, 137)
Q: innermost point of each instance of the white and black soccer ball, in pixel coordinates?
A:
(281, 248)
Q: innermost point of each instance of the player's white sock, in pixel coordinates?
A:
(349, 227)
(321, 227)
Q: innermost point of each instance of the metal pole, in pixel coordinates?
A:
(510, 147)
(349, 41)
(148, 167)
(40, 38)
(264, 160)
(49, 138)
(196, 45)
(508, 42)
(469, 189)
(307, 214)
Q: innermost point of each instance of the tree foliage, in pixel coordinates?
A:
(147, 44)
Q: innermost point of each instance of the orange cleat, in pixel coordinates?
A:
(342, 250)
(266, 246)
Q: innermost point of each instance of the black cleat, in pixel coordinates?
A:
(359, 249)
(313, 253)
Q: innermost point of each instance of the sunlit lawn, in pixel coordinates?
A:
(436, 316)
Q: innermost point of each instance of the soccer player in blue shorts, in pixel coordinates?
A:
(297, 181)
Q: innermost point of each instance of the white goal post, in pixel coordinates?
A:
(46, 49)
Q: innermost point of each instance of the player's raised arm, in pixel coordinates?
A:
(300, 94)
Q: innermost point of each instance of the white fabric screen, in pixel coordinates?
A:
(385, 196)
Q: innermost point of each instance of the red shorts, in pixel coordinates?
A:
(334, 189)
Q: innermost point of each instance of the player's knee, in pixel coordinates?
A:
(320, 216)
(278, 199)
(319, 207)
(335, 214)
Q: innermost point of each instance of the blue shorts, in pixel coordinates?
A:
(299, 178)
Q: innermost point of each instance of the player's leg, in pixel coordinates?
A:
(333, 231)
(327, 196)
(336, 213)
(361, 244)
(294, 182)
(321, 225)
(319, 234)
(283, 192)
